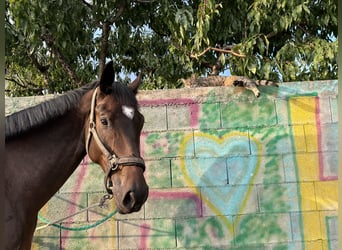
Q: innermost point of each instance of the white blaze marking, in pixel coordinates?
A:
(128, 111)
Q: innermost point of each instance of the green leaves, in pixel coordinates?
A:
(61, 41)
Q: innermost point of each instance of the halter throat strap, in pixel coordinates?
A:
(113, 160)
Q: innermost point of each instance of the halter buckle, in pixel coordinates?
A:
(113, 163)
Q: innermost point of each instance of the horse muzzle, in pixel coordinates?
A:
(129, 188)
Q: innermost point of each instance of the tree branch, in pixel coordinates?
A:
(104, 46)
(23, 84)
(104, 38)
(50, 42)
(120, 11)
(225, 51)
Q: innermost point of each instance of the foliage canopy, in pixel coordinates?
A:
(57, 45)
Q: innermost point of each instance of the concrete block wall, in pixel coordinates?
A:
(225, 170)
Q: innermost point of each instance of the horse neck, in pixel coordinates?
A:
(44, 158)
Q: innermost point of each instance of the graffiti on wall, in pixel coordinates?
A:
(236, 174)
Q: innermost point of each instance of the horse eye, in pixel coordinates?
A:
(104, 121)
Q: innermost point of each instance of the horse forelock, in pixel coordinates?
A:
(124, 95)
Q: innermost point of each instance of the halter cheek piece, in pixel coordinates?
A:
(113, 160)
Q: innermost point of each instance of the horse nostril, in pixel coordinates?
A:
(129, 200)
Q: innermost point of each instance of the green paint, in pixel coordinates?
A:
(210, 117)
(162, 234)
(259, 228)
(259, 112)
(163, 144)
(200, 232)
(327, 219)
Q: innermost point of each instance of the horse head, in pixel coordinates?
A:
(113, 140)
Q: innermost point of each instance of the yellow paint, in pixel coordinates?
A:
(327, 195)
(315, 195)
(308, 198)
(218, 140)
(298, 133)
(312, 226)
(303, 110)
(311, 163)
(314, 245)
(311, 137)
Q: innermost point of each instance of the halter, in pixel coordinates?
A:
(113, 160)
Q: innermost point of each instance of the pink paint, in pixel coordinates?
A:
(145, 228)
(143, 137)
(319, 145)
(144, 235)
(74, 198)
(194, 107)
(178, 196)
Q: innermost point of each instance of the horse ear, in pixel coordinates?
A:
(135, 84)
(107, 78)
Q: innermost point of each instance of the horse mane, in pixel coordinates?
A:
(22, 121)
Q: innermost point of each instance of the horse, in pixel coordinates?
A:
(44, 144)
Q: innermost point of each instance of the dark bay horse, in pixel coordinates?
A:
(45, 144)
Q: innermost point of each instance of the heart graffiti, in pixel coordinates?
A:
(205, 170)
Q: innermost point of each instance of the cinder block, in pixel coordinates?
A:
(277, 140)
(209, 116)
(301, 167)
(306, 226)
(290, 167)
(204, 232)
(62, 205)
(279, 197)
(329, 223)
(282, 112)
(155, 118)
(158, 174)
(221, 143)
(229, 200)
(331, 244)
(237, 114)
(181, 116)
(200, 172)
(249, 170)
(173, 203)
(147, 234)
(262, 228)
(329, 137)
(88, 177)
(324, 112)
(103, 236)
(334, 108)
(324, 139)
(307, 196)
(303, 109)
(330, 166)
(327, 195)
(157, 145)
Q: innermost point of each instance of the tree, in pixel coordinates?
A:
(58, 45)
